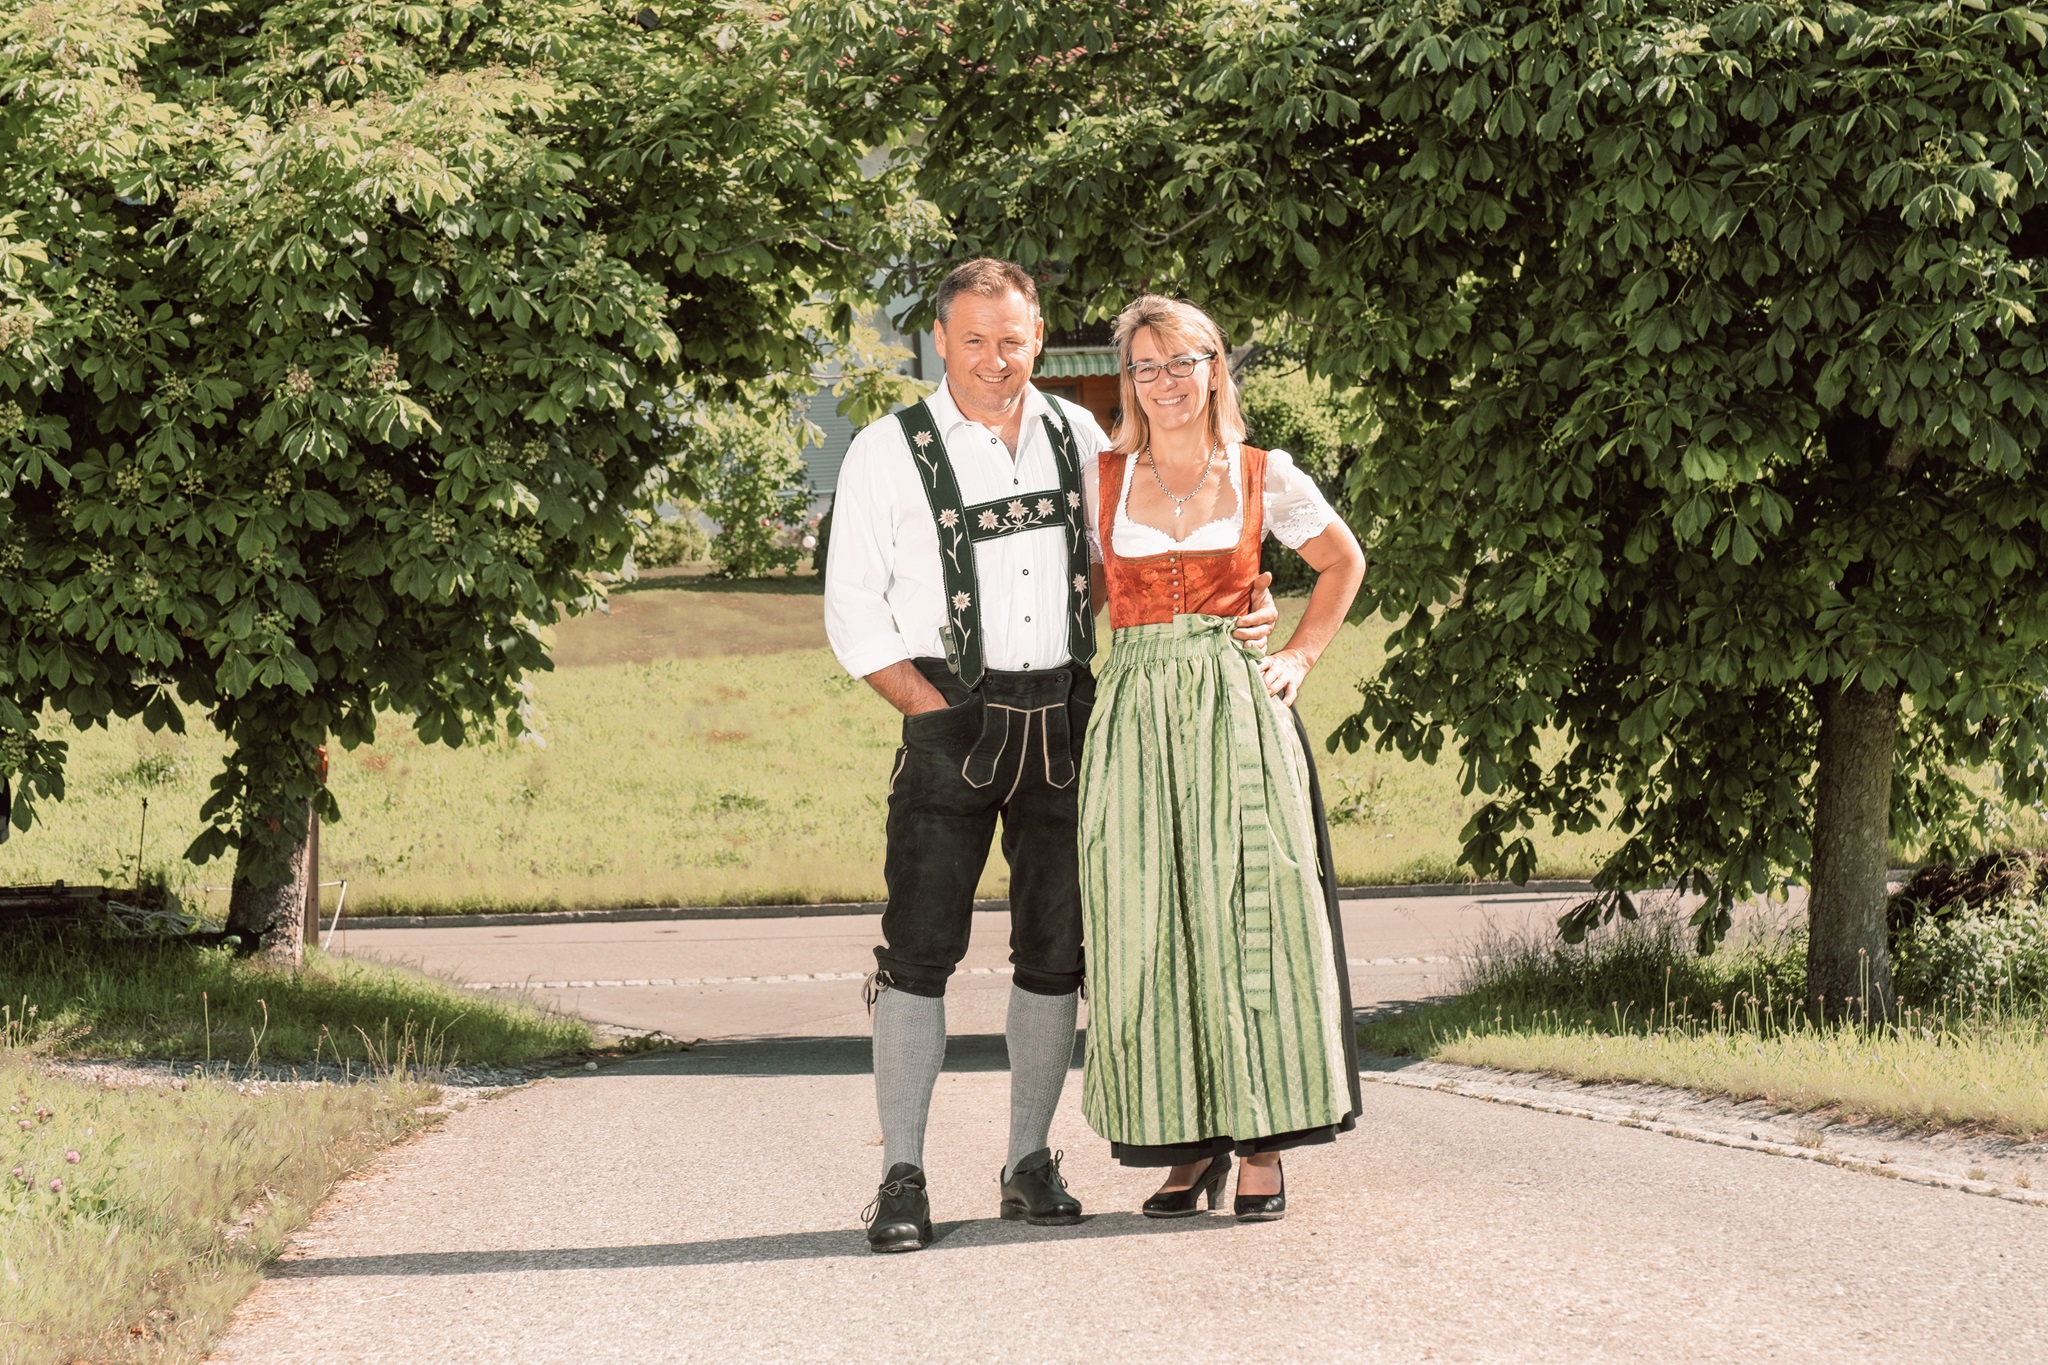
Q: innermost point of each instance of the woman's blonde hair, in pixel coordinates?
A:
(1182, 329)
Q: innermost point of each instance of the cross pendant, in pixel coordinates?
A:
(1176, 512)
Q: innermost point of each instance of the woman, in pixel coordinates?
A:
(1219, 1012)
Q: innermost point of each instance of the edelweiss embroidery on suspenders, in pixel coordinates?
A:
(956, 551)
(1007, 516)
(960, 526)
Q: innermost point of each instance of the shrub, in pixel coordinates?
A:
(755, 489)
(671, 542)
(824, 534)
(2000, 878)
(1977, 955)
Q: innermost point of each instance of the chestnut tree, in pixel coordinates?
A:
(1705, 341)
(341, 346)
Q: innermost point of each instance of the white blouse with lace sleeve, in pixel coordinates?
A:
(1296, 511)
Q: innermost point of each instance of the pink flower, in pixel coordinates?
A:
(71, 1157)
(24, 1125)
(20, 1174)
(56, 1187)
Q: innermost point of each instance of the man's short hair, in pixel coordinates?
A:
(988, 277)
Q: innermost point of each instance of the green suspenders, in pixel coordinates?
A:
(961, 526)
(1080, 610)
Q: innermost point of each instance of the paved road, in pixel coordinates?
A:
(704, 1207)
(1400, 949)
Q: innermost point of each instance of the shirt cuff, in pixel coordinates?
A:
(872, 656)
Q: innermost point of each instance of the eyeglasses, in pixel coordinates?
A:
(1180, 367)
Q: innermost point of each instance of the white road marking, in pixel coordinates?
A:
(786, 978)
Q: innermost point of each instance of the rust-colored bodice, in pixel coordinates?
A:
(1154, 589)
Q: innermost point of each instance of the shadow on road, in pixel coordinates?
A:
(820, 1056)
(845, 1056)
(785, 1246)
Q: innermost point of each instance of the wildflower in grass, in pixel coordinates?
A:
(71, 1157)
(56, 1185)
(20, 1174)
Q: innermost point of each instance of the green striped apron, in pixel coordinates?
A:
(1214, 1004)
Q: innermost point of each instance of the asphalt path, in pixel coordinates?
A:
(801, 976)
(705, 1205)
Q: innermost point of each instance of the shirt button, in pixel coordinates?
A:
(1027, 573)
(1027, 618)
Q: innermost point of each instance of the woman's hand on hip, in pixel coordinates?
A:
(1284, 673)
(1257, 624)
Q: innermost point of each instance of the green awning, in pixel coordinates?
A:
(1074, 364)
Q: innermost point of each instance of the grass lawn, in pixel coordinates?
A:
(1634, 1004)
(133, 1220)
(702, 747)
(87, 997)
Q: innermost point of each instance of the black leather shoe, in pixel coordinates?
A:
(1036, 1193)
(1182, 1203)
(1262, 1208)
(900, 1219)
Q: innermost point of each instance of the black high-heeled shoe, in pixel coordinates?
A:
(1262, 1208)
(1181, 1203)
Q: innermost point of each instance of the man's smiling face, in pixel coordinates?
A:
(989, 346)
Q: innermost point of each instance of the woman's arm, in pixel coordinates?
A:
(1339, 562)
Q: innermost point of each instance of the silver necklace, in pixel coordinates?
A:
(1179, 502)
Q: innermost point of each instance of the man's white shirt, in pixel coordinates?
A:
(885, 597)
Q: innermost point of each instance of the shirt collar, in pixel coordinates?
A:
(946, 413)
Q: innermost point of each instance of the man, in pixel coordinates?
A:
(958, 584)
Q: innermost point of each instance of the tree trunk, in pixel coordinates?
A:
(271, 918)
(1848, 964)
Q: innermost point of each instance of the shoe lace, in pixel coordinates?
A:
(889, 1190)
(1052, 1171)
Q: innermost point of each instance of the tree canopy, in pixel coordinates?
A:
(1706, 343)
(340, 346)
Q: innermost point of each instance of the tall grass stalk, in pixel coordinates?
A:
(1633, 1003)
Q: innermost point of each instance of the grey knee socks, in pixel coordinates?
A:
(910, 1047)
(1041, 1038)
